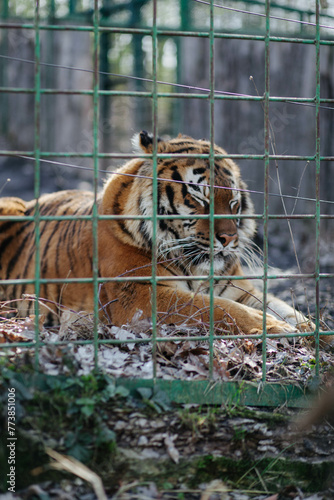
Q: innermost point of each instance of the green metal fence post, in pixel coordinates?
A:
(154, 188)
(108, 28)
(3, 75)
(266, 187)
(95, 175)
(212, 178)
(317, 186)
(37, 151)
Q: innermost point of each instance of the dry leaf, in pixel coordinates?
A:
(248, 346)
(171, 450)
(216, 486)
(10, 336)
(30, 322)
(73, 466)
(220, 367)
(167, 348)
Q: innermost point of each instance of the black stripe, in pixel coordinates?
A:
(81, 225)
(222, 291)
(139, 201)
(5, 244)
(78, 224)
(13, 294)
(191, 223)
(23, 226)
(68, 240)
(194, 186)
(143, 232)
(200, 170)
(116, 206)
(7, 225)
(201, 180)
(143, 283)
(160, 209)
(168, 269)
(90, 258)
(185, 149)
(189, 204)
(170, 195)
(47, 209)
(64, 230)
(26, 267)
(60, 245)
(173, 231)
(44, 260)
(165, 227)
(220, 168)
(190, 285)
(244, 201)
(177, 177)
(10, 238)
(16, 256)
(166, 164)
(142, 228)
(187, 141)
(244, 298)
(162, 225)
(121, 225)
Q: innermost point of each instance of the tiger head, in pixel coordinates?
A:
(183, 190)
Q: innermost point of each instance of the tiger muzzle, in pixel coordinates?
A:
(225, 239)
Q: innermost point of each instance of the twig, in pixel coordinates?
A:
(70, 464)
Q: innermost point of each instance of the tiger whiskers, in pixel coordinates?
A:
(170, 247)
(189, 260)
(182, 249)
(250, 254)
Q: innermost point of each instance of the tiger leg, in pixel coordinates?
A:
(178, 307)
(281, 310)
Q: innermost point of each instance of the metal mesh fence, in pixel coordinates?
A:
(212, 388)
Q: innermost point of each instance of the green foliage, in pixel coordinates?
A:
(154, 400)
(71, 411)
(239, 434)
(196, 420)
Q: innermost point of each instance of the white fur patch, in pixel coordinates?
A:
(135, 141)
(197, 192)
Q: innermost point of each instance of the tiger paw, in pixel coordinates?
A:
(300, 322)
(251, 322)
(274, 326)
(305, 326)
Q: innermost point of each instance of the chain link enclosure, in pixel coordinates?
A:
(138, 31)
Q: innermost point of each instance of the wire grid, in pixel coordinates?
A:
(204, 391)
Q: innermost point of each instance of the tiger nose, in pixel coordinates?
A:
(226, 239)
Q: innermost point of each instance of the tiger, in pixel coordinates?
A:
(129, 249)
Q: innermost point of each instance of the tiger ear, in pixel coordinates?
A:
(144, 141)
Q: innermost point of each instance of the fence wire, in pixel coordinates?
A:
(211, 390)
